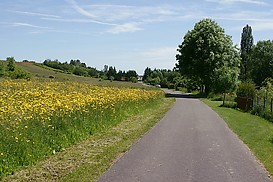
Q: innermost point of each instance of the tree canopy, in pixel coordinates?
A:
(262, 57)
(246, 47)
(207, 55)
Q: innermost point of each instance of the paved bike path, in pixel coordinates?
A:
(192, 144)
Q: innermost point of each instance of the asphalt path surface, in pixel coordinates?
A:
(192, 144)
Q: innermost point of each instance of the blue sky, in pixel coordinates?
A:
(126, 34)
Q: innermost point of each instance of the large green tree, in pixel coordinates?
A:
(246, 47)
(207, 56)
(262, 56)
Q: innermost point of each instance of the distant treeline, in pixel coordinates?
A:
(76, 67)
(171, 79)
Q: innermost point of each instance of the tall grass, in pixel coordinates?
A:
(38, 119)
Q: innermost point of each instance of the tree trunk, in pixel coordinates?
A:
(207, 89)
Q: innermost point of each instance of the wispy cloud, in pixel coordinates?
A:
(260, 21)
(126, 27)
(244, 16)
(122, 12)
(19, 24)
(80, 9)
(80, 21)
(239, 1)
(35, 14)
(122, 18)
(263, 25)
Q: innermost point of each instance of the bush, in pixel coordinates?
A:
(246, 89)
(19, 74)
(133, 79)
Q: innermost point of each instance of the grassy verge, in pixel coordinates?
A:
(87, 160)
(254, 131)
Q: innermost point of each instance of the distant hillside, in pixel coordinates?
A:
(40, 71)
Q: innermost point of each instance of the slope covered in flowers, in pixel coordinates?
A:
(38, 118)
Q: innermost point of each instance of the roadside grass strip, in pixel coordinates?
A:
(254, 131)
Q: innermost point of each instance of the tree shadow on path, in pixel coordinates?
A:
(181, 95)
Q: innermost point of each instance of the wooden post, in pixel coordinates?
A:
(271, 101)
(264, 103)
(224, 99)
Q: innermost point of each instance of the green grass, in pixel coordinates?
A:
(87, 160)
(253, 130)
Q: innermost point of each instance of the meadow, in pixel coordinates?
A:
(40, 118)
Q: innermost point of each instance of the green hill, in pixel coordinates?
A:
(40, 71)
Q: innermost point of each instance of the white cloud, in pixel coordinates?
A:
(80, 9)
(126, 27)
(238, 1)
(35, 14)
(80, 21)
(244, 16)
(19, 24)
(121, 12)
(262, 25)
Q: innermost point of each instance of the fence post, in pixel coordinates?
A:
(224, 99)
(264, 103)
(271, 101)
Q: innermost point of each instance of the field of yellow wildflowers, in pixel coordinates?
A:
(39, 118)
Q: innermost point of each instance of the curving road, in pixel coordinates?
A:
(190, 144)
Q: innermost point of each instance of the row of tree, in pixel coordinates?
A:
(208, 58)
(74, 67)
(171, 79)
(110, 73)
(257, 60)
(78, 68)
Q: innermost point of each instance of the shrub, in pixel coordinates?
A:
(246, 89)
(133, 79)
(19, 74)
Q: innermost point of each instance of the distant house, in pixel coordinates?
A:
(139, 77)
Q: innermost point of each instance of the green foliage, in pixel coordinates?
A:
(11, 64)
(80, 71)
(130, 74)
(268, 83)
(112, 78)
(263, 101)
(246, 47)
(165, 78)
(147, 73)
(262, 57)
(19, 73)
(226, 79)
(111, 72)
(9, 69)
(74, 67)
(246, 89)
(2, 69)
(164, 83)
(207, 51)
(133, 79)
